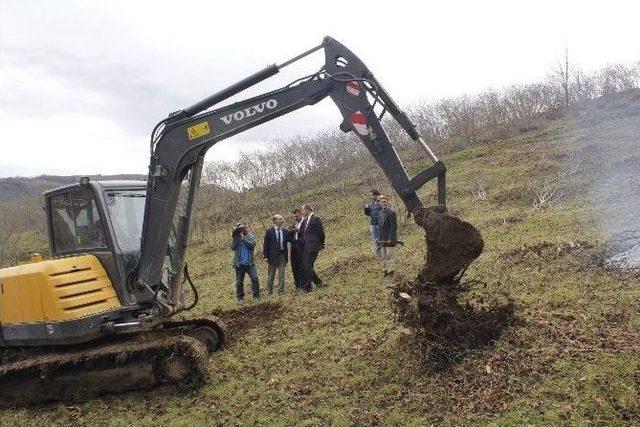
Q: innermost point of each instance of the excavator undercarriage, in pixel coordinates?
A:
(175, 355)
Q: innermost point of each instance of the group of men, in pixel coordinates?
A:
(301, 243)
(384, 230)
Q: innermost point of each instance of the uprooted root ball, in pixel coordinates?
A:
(443, 329)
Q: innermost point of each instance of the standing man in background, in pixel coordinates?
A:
(313, 243)
(388, 236)
(372, 210)
(295, 234)
(275, 250)
(243, 244)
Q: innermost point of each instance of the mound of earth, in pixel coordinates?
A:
(442, 327)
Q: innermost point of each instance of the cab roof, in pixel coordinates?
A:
(104, 185)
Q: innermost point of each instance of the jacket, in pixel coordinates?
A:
(313, 236)
(270, 248)
(372, 210)
(250, 241)
(388, 227)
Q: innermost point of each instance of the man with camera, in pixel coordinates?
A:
(243, 244)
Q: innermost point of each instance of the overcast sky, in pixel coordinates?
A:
(83, 83)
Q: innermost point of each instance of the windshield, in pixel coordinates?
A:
(126, 210)
(75, 222)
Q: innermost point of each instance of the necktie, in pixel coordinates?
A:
(279, 237)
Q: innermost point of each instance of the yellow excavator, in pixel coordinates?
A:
(105, 313)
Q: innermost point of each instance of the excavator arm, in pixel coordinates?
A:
(179, 143)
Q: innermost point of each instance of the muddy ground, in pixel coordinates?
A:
(243, 319)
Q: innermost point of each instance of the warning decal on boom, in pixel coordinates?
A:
(198, 130)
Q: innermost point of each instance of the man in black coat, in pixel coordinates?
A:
(275, 249)
(295, 233)
(313, 243)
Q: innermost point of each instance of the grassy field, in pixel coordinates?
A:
(336, 356)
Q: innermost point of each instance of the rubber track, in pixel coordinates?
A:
(33, 376)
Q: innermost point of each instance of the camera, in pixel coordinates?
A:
(238, 230)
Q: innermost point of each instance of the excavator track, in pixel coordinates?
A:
(175, 355)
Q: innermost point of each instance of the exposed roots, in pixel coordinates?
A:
(442, 328)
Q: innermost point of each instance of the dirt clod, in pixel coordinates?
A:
(452, 244)
(443, 328)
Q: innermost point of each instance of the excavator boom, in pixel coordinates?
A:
(180, 142)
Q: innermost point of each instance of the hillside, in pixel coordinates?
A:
(336, 356)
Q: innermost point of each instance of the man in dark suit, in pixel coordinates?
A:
(295, 234)
(313, 243)
(275, 250)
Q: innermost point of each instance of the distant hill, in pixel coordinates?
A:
(18, 187)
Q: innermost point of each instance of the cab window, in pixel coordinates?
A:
(75, 222)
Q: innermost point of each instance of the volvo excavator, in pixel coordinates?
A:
(105, 313)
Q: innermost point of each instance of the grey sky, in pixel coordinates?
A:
(83, 83)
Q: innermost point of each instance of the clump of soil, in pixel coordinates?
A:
(442, 328)
(452, 244)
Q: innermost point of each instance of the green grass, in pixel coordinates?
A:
(336, 356)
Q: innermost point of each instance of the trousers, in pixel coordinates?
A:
(253, 275)
(388, 258)
(310, 276)
(279, 266)
(375, 239)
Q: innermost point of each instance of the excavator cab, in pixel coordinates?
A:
(100, 218)
(73, 319)
(94, 244)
